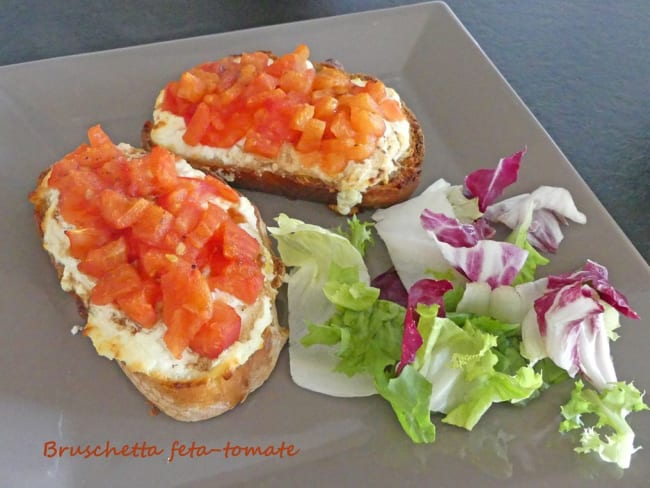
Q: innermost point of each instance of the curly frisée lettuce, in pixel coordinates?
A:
(460, 363)
(611, 437)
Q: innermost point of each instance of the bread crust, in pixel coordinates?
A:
(401, 185)
(207, 397)
(216, 391)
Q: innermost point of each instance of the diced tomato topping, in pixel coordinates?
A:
(116, 283)
(186, 218)
(84, 239)
(103, 259)
(152, 224)
(191, 87)
(239, 244)
(97, 137)
(198, 125)
(376, 89)
(186, 305)
(137, 306)
(120, 211)
(218, 333)
(182, 326)
(391, 110)
(244, 280)
(311, 136)
(221, 189)
(365, 121)
(156, 262)
(156, 243)
(262, 144)
(210, 221)
(269, 104)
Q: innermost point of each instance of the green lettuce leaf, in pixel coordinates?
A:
(368, 331)
(345, 290)
(358, 233)
(461, 364)
(611, 437)
(310, 251)
(409, 395)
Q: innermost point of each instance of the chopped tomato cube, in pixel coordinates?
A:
(186, 304)
(120, 211)
(162, 165)
(184, 286)
(311, 136)
(103, 259)
(361, 100)
(136, 306)
(259, 60)
(301, 115)
(191, 87)
(366, 121)
(302, 51)
(198, 125)
(340, 126)
(182, 326)
(299, 82)
(115, 173)
(325, 107)
(376, 89)
(337, 145)
(333, 162)
(152, 224)
(117, 282)
(220, 188)
(287, 62)
(97, 137)
(264, 82)
(210, 221)
(243, 280)
(391, 110)
(187, 218)
(186, 190)
(156, 262)
(239, 244)
(218, 333)
(261, 144)
(332, 79)
(359, 152)
(84, 239)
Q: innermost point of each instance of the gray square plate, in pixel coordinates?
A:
(57, 391)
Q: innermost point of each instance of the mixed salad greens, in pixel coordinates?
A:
(460, 322)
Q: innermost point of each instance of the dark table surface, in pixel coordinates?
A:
(582, 67)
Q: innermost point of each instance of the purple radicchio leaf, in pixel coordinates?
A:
(568, 326)
(428, 292)
(551, 207)
(465, 248)
(411, 339)
(390, 287)
(488, 184)
(597, 277)
(453, 232)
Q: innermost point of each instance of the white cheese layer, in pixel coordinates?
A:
(351, 183)
(143, 350)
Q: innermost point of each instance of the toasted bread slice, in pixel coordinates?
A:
(190, 387)
(390, 175)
